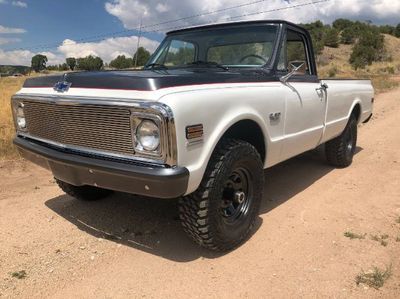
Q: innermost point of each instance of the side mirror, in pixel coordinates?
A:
(296, 67)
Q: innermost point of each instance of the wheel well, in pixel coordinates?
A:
(356, 111)
(249, 131)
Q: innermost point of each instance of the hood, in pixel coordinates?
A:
(149, 80)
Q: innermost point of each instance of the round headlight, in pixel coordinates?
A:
(21, 121)
(148, 135)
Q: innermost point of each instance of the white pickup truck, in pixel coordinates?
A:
(213, 107)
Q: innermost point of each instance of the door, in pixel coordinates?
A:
(305, 100)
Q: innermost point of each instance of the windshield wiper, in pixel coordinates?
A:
(153, 66)
(208, 63)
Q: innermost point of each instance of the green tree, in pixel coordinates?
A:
(121, 62)
(90, 63)
(387, 29)
(71, 62)
(397, 31)
(342, 24)
(142, 56)
(347, 36)
(331, 38)
(52, 67)
(317, 31)
(63, 67)
(370, 47)
(38, 62)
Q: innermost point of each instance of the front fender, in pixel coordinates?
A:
(217, 115)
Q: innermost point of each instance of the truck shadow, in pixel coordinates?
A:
(152, 225)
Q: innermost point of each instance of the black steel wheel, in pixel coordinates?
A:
(340, 151)
(222, 212)
(236, 196)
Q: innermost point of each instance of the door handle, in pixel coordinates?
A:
(321, 91)
(323, 87)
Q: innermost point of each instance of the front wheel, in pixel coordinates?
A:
(340, 151)
(222, 212)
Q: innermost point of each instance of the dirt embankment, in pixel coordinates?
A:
(125, 246)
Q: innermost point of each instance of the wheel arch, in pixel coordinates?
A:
(356, 110)
(240, 130)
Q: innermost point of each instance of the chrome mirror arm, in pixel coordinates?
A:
(286, 77)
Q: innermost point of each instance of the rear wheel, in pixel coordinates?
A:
(340, 151)
(86, 193)
(222, 212)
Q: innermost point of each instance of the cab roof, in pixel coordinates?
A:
(232, 24)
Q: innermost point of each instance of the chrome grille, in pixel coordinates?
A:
(101, 128)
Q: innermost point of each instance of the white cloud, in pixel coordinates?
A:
(6, 40)
(11, 30)
(20, 4)
(3, 2)
(18, 57)
(23, 57)
(107, 49)
(130, 11)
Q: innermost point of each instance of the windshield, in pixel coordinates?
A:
(247, 46)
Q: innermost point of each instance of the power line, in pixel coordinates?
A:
(97, 37)
(240, 16)
(115, 34)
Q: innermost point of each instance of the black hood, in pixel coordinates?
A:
(149, 80)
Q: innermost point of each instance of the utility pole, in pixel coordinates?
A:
(138, 41)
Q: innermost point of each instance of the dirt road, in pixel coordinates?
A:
(126, 246)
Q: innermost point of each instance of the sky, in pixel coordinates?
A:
(108, 28)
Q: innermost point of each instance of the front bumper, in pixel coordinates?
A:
(142, 179)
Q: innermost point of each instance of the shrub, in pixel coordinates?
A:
(332, 72)
(347, 36)
(397, 31)
(331, 38)
(390, 70)
(369, 48)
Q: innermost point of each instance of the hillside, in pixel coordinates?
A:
(334, 62)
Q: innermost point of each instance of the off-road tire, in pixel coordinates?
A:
(201, 213)
(85, 193)
(340, 151)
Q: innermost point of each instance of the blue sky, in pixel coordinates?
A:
(47, 21)
(25, 24)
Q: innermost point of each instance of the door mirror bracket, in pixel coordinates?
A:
(295, 66)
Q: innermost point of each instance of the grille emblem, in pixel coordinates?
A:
(62, 86)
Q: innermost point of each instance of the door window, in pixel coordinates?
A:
(294, 54)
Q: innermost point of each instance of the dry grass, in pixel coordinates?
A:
(374, 278)
(352, 235)
(382, 239)
(8, 87)
(335, 63)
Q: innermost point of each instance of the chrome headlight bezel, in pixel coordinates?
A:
(137, 120)
(19, 116)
